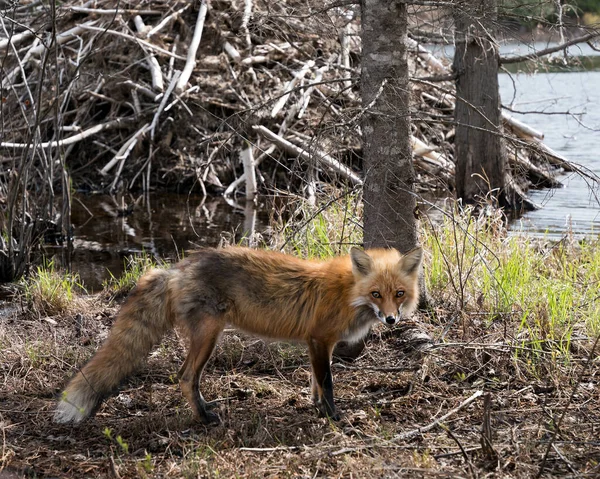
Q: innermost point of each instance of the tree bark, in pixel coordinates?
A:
(389, 202)
(479, 151)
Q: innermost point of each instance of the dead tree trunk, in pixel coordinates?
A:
(479, 151)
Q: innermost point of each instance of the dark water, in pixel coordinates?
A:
(163, 225)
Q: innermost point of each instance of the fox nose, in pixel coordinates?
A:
(390, 320)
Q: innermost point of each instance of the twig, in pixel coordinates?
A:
(72, 139)
(462, 449)
(308, 91)
(146, 91)
(190, 61)
(163, 102)
(125, 150)
(113, 467)
(268, 449)
(165, 21)
(322, 157)
(299, 75)
(134, 39)
(558, 424)
(65, 36)
(114, 11)
(421, 430)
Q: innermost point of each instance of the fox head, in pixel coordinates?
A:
(386, 281)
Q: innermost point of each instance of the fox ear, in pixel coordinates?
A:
(361, 262)
(410, 262)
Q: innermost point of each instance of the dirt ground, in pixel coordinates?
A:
(391, 399)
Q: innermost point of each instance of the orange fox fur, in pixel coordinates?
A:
(262, 292)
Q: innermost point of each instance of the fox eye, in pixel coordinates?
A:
(376, 294)
(399, 293)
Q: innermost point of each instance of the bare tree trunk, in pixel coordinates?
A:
(389, 202)
(479, 151)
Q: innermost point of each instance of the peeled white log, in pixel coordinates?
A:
(247, 157)
(190, 61)
(521, 129)
(152, 62)
(436, 65)
(323, 158)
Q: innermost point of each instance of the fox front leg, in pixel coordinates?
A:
(322, 380)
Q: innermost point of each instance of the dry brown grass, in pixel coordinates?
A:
(269, 427)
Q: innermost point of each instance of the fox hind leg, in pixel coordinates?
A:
(203, 339)
(322, 380)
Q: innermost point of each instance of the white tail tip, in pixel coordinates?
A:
(73, 408)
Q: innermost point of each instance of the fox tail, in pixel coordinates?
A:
(143, 320)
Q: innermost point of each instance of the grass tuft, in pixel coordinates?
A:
(322, 232)
(51, 292)
(135, 267)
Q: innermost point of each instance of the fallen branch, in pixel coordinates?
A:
(432, 62)
(548, 51)
(114, 11)
(299, 75)
(190, 61)
(152, 62)
(121, 122)
(429, 427)
(15, 39)
(326, 160)
(125, 149)
(242, 179)
(141, 42)
(521, 129)
(163, 102)
(165, 21)
(249, 173)
(65, 36)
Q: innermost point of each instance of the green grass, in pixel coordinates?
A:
(324, 231)
(135, 267)
(51, 292)
(549, 289)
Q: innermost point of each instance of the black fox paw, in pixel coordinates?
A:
(209, 418)
(324, 412)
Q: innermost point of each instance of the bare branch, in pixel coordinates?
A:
(548, 51)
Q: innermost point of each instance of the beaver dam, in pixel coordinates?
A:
(114, 95)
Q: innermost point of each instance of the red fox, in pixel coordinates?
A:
(262, 292)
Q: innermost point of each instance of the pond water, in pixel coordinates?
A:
(162, 225)
(575, 136)
(543, 93)
(166, 225)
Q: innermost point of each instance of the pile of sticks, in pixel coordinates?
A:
(233, 96)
